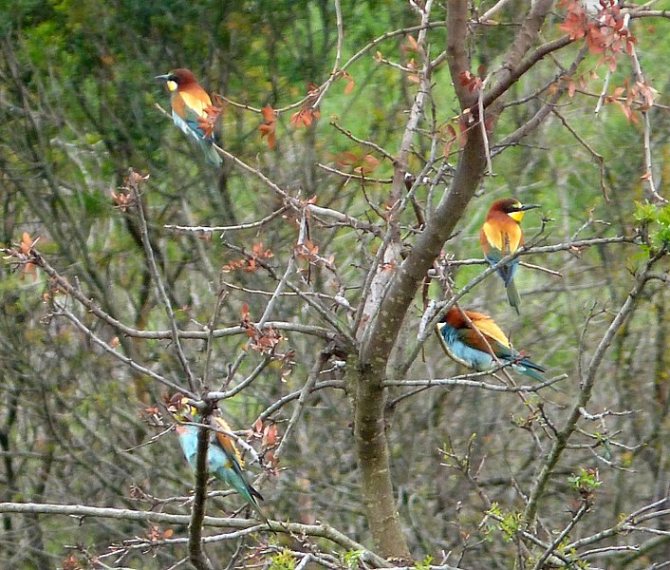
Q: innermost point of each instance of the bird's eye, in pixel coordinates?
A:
(173, 77)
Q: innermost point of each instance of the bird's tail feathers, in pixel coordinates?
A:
(529, 368)
(211, 154)
(513, 296)
(250, 495)
(254, 493)
(257, 509)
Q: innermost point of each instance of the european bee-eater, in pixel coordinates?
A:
(480, 344)
(223, 459)
(191, 109)
(501, 235)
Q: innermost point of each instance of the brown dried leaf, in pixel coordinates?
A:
(269, 126)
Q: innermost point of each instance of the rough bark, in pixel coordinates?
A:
(373, 454)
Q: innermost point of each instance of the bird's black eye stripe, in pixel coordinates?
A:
(173, 77)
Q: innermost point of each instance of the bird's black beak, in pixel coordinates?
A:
(165, 77)
(525, 207)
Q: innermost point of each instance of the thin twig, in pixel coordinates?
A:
(298, 529)
(158, 281)
(234, 228)
(338, 56)
(363, 142)
(649, 170)
(210, 338)
(603, 92)
(62, 310)
(91, 306)
(281, 402)
(306, 390)
(354, 176)
(492, 11)
(587, 382)
(465, 381)
(583, 508)
(255, 373)
(597, 157)
(482, 125)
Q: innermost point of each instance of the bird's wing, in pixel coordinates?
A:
(189, 109)
(502, 234)
(492, 237)
(496, 244)
(487, 326)
(482, 342)
(226, 442)
(196, 101)
(189, 127)
(227, 466)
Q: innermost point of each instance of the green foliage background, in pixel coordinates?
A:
(78, 108)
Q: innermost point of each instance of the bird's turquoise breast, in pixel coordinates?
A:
(188, 440)
(461, 352)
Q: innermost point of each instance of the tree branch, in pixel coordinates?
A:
(457, 57)
(153, 268)
(82, 511)
(516, 64)
(587, 384)
(195, 552)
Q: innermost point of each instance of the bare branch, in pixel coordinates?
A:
(583, 508)
(457, 58)
(62, 310)
(320, 530)
(465, 380)
(238, 227)
(196, 554)
(587, 383)
(158, 281)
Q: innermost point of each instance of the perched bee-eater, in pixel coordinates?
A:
(191, 110)
(223, 459)
(501, 235)
(480, 344)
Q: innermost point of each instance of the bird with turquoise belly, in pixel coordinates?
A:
(224, 461)
(474, 340)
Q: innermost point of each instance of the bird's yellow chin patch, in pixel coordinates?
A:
(171, 85)
(516, 216)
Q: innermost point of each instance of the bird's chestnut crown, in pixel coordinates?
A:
(512, 207)
(177, 78)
